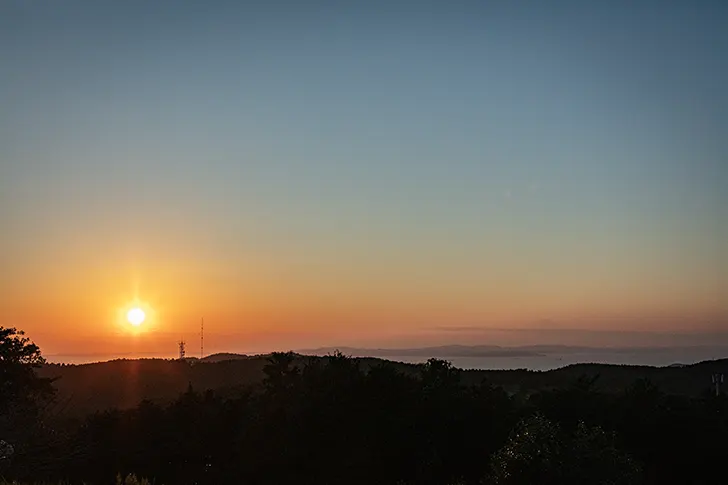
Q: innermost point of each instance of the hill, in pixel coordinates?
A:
(124, 383)
(221, 357)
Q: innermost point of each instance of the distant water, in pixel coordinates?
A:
(641, 356)
(91, 358)
(652, 357)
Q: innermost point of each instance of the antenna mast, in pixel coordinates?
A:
(181, 344)
(717, 381)
(202, 337)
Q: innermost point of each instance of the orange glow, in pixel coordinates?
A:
(254, 302)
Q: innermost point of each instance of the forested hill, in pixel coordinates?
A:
(124, 383)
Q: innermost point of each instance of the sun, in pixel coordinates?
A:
(135, 316)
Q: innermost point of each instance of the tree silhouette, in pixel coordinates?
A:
(539, 451)
(280, 373)
(22, 393)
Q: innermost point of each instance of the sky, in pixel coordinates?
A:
(362, 173)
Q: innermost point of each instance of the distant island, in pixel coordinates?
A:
(501, 351)
(439, 351)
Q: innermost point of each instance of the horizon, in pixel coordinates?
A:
(532, 358)
(166, 344)
(536, 356)
(379, 175)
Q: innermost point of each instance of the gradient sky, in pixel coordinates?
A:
(347, 173)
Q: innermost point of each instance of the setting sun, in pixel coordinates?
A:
(135, 316)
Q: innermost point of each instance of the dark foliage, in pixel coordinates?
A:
(23, 394)
(340, 420)
(539, 451)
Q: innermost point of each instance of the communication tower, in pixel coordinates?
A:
(202, 338)
(717, 381)
(181, 344)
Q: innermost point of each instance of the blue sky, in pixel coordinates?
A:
(568, 145)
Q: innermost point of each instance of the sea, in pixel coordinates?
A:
(651, 356)
(555, 361)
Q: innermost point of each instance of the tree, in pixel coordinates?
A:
(531, 455)
(22, 392)
(539, 451)
(280, 373)
(439, 375)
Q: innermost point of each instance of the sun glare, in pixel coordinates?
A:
(135, 316)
